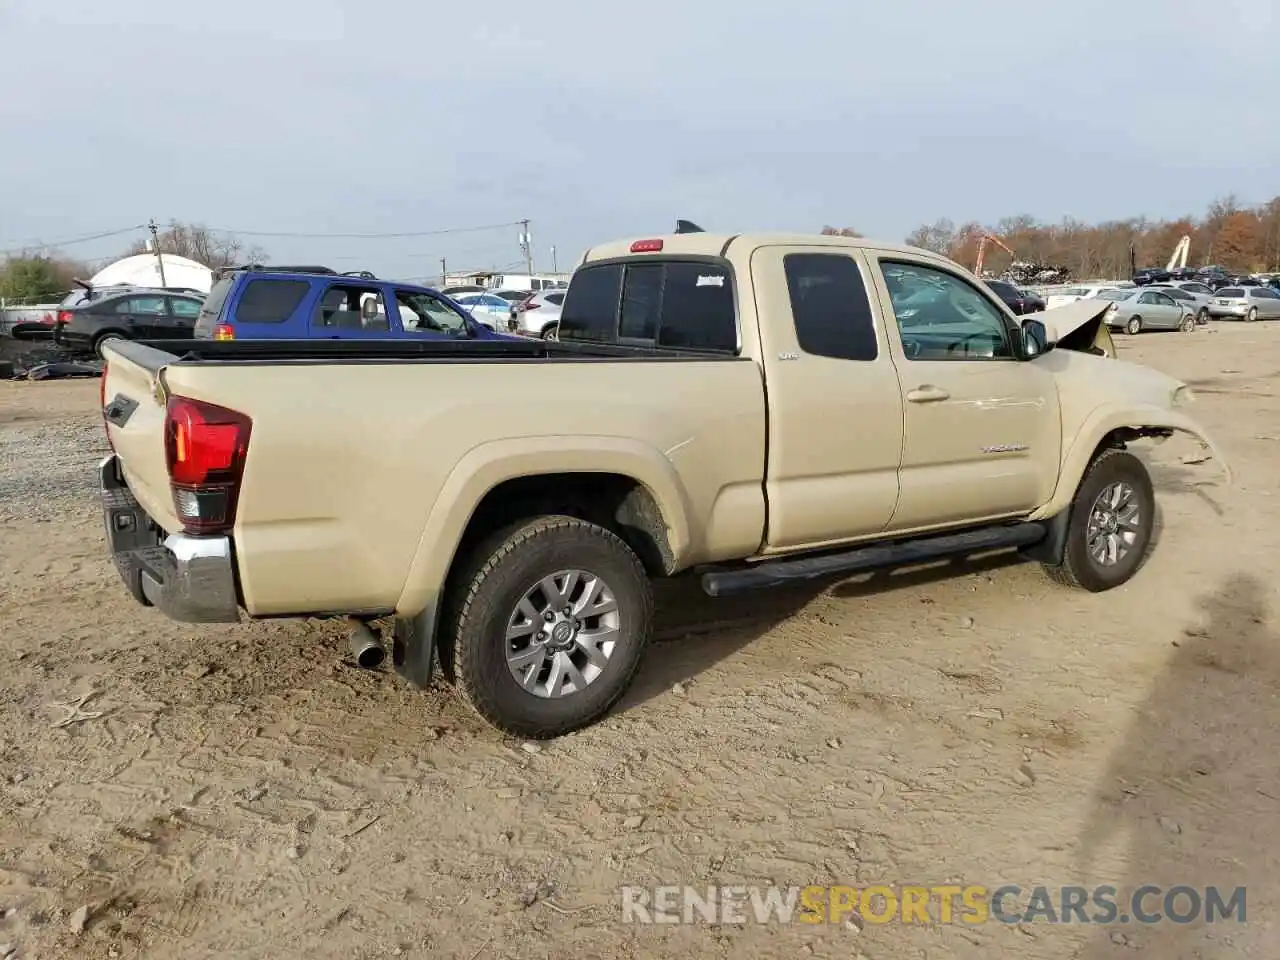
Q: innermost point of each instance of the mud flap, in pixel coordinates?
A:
(414, 648)
(1053, 548)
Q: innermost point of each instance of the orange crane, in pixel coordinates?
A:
(983, 240)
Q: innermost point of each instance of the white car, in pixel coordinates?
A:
(1072, 294)
(486, 308)
(539, 316)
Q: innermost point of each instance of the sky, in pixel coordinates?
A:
(598, 121)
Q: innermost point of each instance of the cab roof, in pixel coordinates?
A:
(720, 244)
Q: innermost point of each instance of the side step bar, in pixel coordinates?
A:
(774, 573)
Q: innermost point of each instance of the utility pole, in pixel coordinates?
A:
(155, 245)
(554, 267)
(526, 241)
(444, 275)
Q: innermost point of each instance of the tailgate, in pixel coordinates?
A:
(134, 410)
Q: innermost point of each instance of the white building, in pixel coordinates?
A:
(142, 270)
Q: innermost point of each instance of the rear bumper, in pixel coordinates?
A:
(189, 579)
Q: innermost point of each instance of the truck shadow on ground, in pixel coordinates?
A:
(694, 632)
(1191, 795)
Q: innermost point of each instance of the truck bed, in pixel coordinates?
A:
(359, 464)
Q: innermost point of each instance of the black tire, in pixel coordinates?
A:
(1203, 316)
(1134, 326)
(551, 331)
(1252, 315)
(1188, 324)
(1078, 568)
(497, 577)
(103, 337)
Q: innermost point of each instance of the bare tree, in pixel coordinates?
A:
(197, 242)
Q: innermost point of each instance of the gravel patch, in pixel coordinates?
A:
(48, 470)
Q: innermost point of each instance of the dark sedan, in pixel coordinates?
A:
(1019, 301)
(136, 315)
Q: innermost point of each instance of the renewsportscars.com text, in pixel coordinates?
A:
(971, 904)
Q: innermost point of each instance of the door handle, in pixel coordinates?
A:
(927, 394)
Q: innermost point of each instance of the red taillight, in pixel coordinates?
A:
(646, 246)
(529, 305)
(224, 331)
(64, 316)
(205, 447)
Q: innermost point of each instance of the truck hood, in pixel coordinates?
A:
(1077, 325)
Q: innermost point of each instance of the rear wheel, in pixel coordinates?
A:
(1134, 326)
(1112, 520)
(551, 332)
(1203, 316)
(1252, 315)
(552, 621)
(102, 338)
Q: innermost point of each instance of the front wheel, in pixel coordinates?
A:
(1112, 519)
(1188, 324)
(552, 622)
(1203, 316)
(1134, 326)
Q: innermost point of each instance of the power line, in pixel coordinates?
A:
(45, 244)
(364, 236)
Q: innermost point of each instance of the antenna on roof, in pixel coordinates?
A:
(688, 226)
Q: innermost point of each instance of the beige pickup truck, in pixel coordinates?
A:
(759, 409)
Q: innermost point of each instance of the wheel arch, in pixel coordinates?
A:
(1112, 427)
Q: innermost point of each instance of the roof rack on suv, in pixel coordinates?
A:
(281, 268)
(362, 274)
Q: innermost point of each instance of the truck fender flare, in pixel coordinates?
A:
(1124, 420)
(486, 466)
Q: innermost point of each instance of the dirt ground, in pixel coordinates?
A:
(242, 792)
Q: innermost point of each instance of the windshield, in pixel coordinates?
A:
(1231, 292)
(421, 311)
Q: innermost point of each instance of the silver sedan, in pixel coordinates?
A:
(1189, 296)
(1246, 303)
(1142, 309)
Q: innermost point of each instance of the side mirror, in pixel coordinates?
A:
(1035, 338)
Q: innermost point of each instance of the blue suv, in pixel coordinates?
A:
(310, 303)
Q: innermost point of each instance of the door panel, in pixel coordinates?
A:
(835, 423)
(982, 434)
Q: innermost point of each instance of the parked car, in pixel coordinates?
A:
(1151, 275)
(137, 314)
(1021, 302)
(1072, 294)
(299, 303)
(487, 308)
(1213, 276)
(671, 428)
(1145, 309)
(1246, 303)
(1188, 295)
(539, 315)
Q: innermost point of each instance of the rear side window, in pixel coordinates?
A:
(591, 305)
(830, 306)
(556, 298)
(270, 301)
